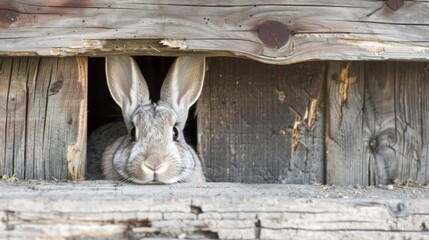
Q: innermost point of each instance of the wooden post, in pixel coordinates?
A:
(43, 124)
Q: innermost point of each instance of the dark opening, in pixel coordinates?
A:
(102, 108)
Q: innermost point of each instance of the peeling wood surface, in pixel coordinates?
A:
(270, 31)
(43, 117)
(376, 126)
(259, 123)
(103, 210)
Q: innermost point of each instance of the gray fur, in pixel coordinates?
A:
(97, 142)
(154, 154)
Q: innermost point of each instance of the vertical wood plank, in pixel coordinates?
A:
(378, 134)
(424, 178)
(247, 115)
(66, 97)
(344, 146)
(14, 80)
(5, 75)
(36, 119)
(408, 94)
(76, 151)
(22, 70)
(43, 117)
(394, 117)
(379, 128)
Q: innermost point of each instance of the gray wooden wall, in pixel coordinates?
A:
(43, 117)
(313, 122)
(326, 122)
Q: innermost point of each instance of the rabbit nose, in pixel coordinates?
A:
(154, 163)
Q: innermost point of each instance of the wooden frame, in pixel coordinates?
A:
(271, 31)
(368, 114)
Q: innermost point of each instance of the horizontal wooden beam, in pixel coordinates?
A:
(211, 210)
(271, 31)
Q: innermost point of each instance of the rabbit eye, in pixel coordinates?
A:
(133, 134)
(175, 133)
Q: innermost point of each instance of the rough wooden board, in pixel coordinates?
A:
(378, 135)
(328, 29)
(257, 123)
(380, 122)
(212, 210)
(5, 71)
(409, 78)
(16, 72)
(45, 125)
(345, 100)
(425, 126)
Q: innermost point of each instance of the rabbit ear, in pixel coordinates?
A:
(126, 84)
(183, 84)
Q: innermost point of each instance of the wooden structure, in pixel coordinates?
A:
(102, 210)
(330, 122)
(272, 31)
(312, 108)
(43, 117)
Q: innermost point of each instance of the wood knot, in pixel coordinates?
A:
(400, 207)
(7, 17)
(273, 34)
(373, 144)
(394, 4)
(56, 87)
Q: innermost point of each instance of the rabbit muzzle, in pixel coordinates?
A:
(154, 167)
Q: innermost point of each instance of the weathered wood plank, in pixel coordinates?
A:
(44, 127)
(344, 147)
(211, 211)
(78, 119)
(305, 29)
(393, 113)
(408, 105)
(37, 101)
(379, 128)
(376, 134)
(5, 72)
(65, 126)
(425, 125)
(14, 76)
(23, 69)
(257, 123)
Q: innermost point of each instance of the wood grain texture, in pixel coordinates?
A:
(380, 122)
(382, 136)
(425, 125)
(345, 101)
(5, 72)
(45, 115)
(14, 77)
(111, 210)
(300, 30)
(259, 123)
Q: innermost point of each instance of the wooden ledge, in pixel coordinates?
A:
(211, 210)
(272, 31)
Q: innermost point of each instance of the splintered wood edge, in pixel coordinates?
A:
(76, 153)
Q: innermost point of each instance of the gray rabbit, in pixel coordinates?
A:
(150, 146)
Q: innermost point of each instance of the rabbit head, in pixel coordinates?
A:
(154, 150)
